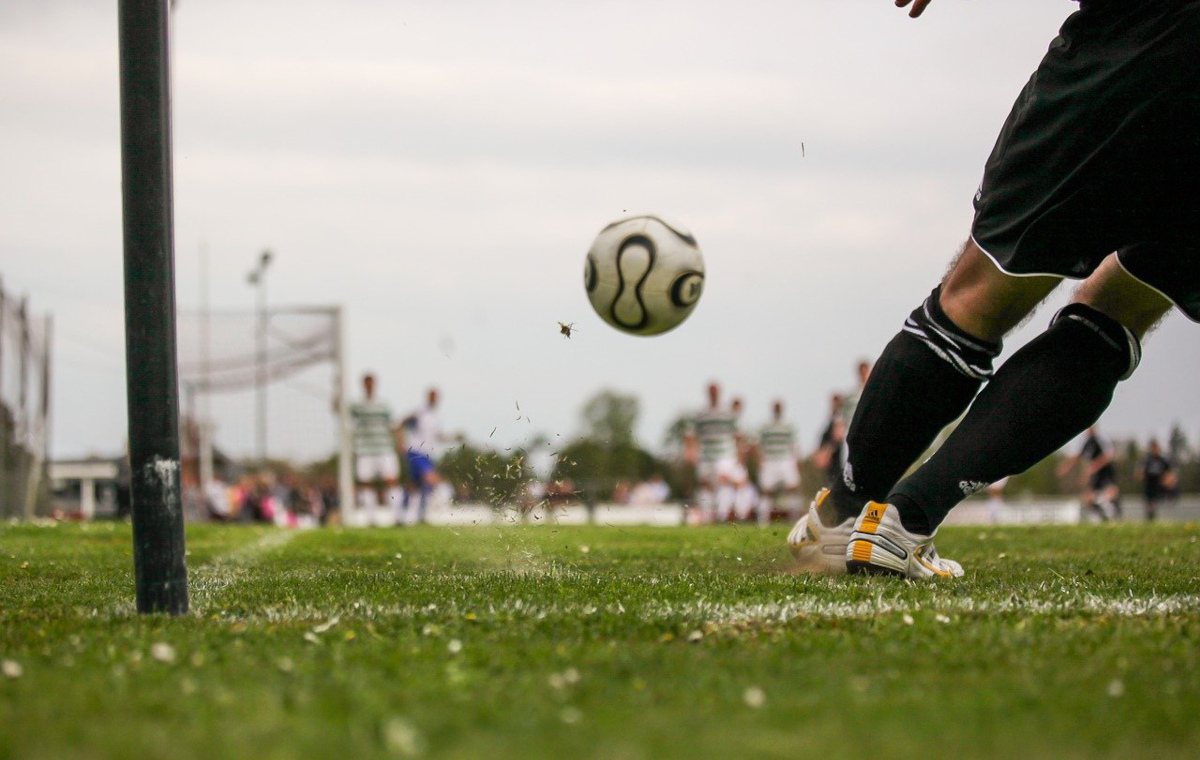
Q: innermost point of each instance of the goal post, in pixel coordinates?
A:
(230, 362)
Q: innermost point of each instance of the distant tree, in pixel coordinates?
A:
(610, 416)
(676, 432)
(1041, 480)
(608, 452)
(1177, 445)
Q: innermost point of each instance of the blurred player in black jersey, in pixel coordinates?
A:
(1094, 177)
(1158, 479)
(828, 456)
(1101, 494)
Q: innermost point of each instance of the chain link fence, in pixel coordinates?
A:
(25, 343)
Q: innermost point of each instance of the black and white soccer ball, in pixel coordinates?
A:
(644, 275)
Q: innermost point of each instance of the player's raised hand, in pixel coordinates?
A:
(918, 7)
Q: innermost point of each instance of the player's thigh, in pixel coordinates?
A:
(1113, 291)
(366, 469)
(987, 302)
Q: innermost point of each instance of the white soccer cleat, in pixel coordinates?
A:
(820, 548)
(881, 545)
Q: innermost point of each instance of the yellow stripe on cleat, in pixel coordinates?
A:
(861, 552)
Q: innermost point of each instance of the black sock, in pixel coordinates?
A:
(925, 378)
(1041, 398)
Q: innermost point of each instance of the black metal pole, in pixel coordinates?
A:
(151, 375)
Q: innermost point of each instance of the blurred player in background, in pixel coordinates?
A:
(829, 455)
(1093, 177)
(712, 439)
(1158, 479)
(422, 431)
(995, 493)
(778, 468)
(1101, 494)
(376, 466)
(745, 495)
(862, 371)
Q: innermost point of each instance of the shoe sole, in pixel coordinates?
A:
(865, 556)
(855, 567)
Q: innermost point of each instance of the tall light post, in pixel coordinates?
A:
(258, 277)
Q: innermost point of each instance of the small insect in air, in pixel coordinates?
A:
(566, 328)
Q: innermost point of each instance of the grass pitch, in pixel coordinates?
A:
(599, 643)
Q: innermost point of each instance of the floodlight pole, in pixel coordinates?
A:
(258, 278)
(150, 358)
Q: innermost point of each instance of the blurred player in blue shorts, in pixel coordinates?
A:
(423, 438)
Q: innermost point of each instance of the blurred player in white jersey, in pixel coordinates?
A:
(711, 437)
(778, 468)
(745, 495)
(376, 467)
(423, 438)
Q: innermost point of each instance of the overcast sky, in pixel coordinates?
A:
(440, 168)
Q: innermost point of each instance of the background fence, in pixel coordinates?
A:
(25, 343)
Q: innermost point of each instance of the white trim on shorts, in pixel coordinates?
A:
(1172, 301)
(1019, 274)
(1115, 254)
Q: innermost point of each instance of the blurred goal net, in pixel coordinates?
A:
(263, 390)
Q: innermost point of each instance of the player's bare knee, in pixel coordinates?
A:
(1118, 295)
(985, 301)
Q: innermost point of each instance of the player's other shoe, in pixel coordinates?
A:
(881, 545)
(818, 547)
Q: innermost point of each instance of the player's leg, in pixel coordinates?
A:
(769, 487)
(726, 496)
(1095, 502)
(393, 493)
(1088, 505)
(705, 502)
(1113, 495)
(364, 476)
(429, 481)
(705, 492)
(1045, 395)
(928, 374)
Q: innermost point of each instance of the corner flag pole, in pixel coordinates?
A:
(150, 360)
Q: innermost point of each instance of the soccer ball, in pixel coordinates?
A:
(643, 275)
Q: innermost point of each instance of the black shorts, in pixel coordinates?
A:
(1106, 477)
(1101, 153)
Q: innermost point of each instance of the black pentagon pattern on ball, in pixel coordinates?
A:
(648, 244)
(590, 278)
(687, 288)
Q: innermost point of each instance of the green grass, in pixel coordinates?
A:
(600, 643)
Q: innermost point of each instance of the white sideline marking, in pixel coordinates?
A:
(227, 569)
(732, 613)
